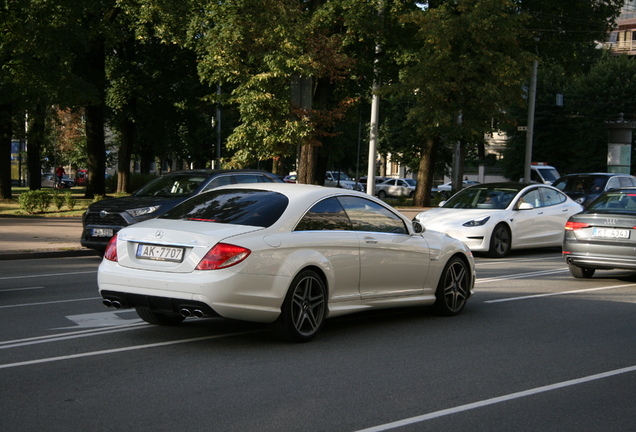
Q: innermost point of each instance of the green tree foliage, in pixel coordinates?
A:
(573, 137)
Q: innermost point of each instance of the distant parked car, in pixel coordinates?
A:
(445, 190)
(290, 178)
(341, 180)
(80, 177)
(499, 217)
(48, 180)
(105, 218)
(603, 237)
(586, 187)
(396, 188)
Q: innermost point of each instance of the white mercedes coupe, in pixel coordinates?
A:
(286, 254)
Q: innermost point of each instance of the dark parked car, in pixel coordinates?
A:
(48, 180)
(105, 218)
(586, 187)
(603, 236)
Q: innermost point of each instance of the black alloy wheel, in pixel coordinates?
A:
(500, 241)
(453, 288)
(304, 309)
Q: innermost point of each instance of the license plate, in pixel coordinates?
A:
(161, 253)
(610, 233)
(102, 232)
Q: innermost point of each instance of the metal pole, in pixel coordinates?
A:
(218, 129)
(531, 100)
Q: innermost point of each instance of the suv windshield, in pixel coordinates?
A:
(232, 206)
(178, 185)
(493, 197)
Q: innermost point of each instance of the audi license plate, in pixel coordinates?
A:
(610, 233)
(161, 253)
(102, 232)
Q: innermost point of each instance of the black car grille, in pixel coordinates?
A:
(109, 219)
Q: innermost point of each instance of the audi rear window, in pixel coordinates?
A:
(232, 206)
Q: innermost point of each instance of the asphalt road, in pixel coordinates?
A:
(535, 350)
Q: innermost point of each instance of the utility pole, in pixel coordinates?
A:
(529, 134)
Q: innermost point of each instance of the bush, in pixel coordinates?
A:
(36, 201)
(58, 200)
(70, 200)
(97, 197)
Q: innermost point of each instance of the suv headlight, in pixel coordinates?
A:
(142, 211)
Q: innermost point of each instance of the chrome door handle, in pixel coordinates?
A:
(370, 240)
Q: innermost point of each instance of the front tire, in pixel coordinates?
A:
(453, 288)
(581, 272)
(500, 241)
(381, 194)
(304, 309)
(157, 318)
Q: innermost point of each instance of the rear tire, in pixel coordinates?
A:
(304, 309)
(158, 318)
(581, 272)
(381, 194)
(500, 241)
(453, 288)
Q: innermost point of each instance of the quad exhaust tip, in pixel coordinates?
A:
(112, 303)
(197, 313)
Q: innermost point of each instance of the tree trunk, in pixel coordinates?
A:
(95, 144)
(127, 137)
(6, 131)
(96, 151)
(425, 173)
(37, 122)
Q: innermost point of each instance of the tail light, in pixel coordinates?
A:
(574, 226)
(111, 249)
(223, 255)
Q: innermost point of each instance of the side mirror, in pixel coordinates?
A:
(525, 206)
(441, 203)
(418, 227)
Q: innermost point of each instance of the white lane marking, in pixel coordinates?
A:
(497, 400)
(48, 303)
(558, 293)
(505, 261)
(124, 349)
(58, 338)
(79, 333)
(101, 319)
(522, 275)
(22, 289)
(47, 275)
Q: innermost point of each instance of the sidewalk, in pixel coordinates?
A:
(24, 238)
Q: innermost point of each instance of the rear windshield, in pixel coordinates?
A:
(174, 185)
(615, 201)
(232, 206)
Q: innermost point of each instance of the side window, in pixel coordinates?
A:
(219, 181)
(612, 183)
(626, 181)
(328, 214)
(552, 197)
(246, 178)
(367, 215)
(533, 197)
(534, 176)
